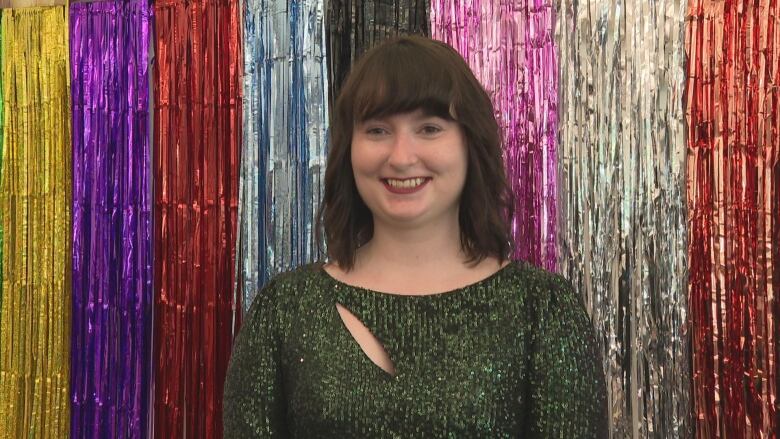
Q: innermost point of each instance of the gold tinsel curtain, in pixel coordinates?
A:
(35, 211)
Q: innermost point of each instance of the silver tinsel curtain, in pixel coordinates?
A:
(622, 223)
(285, 135)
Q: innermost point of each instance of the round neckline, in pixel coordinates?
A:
(448, 293)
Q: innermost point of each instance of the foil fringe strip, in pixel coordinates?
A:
(35, 213)
(285, 139)
(355, 26)
(197, 126)
(511, 50)
(623, 219)
(112, 222)
(733, 114)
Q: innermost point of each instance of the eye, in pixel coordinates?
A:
(375, 131)
(430, 129)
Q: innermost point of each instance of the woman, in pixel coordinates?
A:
(419, 325)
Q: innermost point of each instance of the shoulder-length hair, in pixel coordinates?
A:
(403, 75)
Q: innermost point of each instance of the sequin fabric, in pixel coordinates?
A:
(513, 355)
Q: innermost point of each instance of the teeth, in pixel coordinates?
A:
(405, 184)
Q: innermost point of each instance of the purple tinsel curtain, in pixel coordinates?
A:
(112, 229)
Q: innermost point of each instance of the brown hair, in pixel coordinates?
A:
(398, 76)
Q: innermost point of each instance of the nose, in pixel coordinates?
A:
(403, 152)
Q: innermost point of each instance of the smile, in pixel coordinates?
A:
(405, 186)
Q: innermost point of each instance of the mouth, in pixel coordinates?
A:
(405, 185)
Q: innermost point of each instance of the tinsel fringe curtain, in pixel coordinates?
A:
(197, 134)
(733, 118)
(112, 223)
(284, 138)
(35, 197)
(642, 143)
(510, 47)
(1, 165)
(355, 26)
(622, 211)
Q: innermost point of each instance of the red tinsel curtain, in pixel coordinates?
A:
(733, 114)
(197, 130)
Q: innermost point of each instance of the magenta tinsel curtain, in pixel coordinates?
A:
(112, 228)
(511, 49)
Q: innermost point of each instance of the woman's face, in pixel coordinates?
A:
(410, 168)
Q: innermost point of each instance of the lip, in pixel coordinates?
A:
(396, 190)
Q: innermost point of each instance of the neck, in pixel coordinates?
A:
(418, 249)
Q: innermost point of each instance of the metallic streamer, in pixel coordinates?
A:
(622, 208)
(285, 138)
(35, 210)
(112, 260)
(510, 48)
(354, 26)
(774, 270)
(1, 173)
(733, 115)
(197, 135)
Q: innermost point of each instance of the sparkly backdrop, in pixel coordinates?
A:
(510, 48)
(1, 168)
(197, 135)
(622, 223)
(112, 224)
(733, 115)
(626, 183)
(284, 138)
(354, 26)
(35, 215)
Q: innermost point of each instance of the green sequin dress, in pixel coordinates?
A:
(513, 355)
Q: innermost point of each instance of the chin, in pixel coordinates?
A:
(406, 219)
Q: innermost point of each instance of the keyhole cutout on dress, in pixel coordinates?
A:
(368, 343)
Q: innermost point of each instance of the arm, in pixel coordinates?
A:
(254, 405)
(568, 392)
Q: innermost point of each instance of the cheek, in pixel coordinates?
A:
(362, 161)
(464, 164)
(460, 164)
(361, 172)
(454, 164)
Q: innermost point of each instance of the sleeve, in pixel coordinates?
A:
(568, 391)
(254, 403)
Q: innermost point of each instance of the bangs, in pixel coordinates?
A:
(403, 79)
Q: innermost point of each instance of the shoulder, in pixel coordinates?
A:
(548, 294)
(536, 281)
(565, 360)
(545, 285)
(287, 288)
(295, 277)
